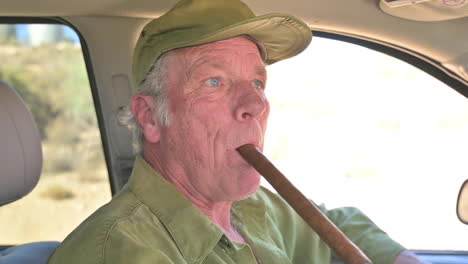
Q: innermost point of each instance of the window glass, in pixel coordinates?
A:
(45, 64)
(351, 126)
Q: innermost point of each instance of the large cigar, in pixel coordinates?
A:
(327, 231)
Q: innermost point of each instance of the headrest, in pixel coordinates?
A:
(20, 147)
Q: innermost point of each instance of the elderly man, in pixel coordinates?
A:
(191, 198)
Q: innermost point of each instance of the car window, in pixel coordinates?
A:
(351, 126)
(45, 64)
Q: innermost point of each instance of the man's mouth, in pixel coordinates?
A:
(248, 143)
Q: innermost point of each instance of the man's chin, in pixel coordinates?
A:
(243, 183)
(250, 185)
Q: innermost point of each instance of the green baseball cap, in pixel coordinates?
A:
(197, 22)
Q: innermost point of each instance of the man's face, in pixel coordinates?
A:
(217, 103)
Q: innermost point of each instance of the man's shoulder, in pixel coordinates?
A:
(87, 243)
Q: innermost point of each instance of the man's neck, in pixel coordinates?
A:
(218, 212)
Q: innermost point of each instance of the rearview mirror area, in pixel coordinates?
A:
(462, 203)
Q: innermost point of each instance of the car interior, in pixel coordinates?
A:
(431, 35)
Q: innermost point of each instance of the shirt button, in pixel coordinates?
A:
(225, 242)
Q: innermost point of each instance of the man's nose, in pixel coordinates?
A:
(251, 105)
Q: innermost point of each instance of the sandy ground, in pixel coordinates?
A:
(39, 217)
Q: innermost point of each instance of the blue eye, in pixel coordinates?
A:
(258, 84)
(213, 82)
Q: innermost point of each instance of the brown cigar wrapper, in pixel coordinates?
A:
(326, 229)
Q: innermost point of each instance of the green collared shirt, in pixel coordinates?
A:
(149, 221)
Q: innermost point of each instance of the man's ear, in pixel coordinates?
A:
(143, 108)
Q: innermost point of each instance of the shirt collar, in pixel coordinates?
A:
(193, 232)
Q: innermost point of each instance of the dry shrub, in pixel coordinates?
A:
(92, 167)
(57, 192)
(57, 92)
(74, 146)
(60, 153)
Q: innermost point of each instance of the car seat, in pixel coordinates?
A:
(20, 168)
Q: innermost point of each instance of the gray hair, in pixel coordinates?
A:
(154, 85)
